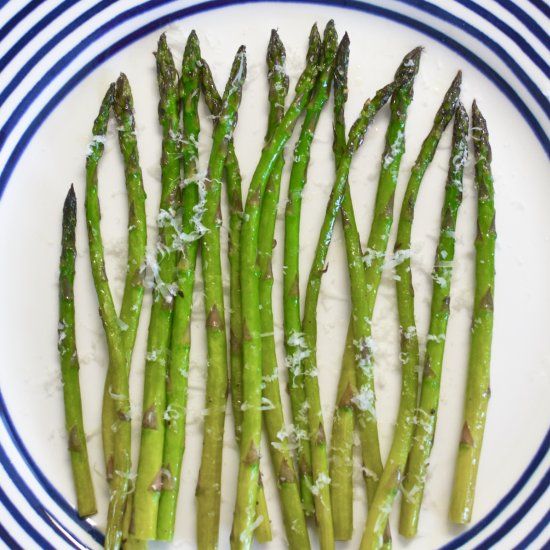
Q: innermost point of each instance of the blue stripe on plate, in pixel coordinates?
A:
(52, 42)
(527, 20)
(19, 16)
(22, 521)
(219, 3)
(542, 6)
(452, 44)
(517, 516)
(537, 530)
(4, 535)
(23, 105)
(32, 32)
(49, 518)
(440, 13)
(3, 3)
(505, 501)
(511, 33)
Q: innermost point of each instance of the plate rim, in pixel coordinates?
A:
(201, 7)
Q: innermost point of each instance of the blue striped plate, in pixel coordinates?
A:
(57, 58)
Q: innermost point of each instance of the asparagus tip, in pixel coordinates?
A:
(344, 43)
(192, 53)
(480, 130)
(275, 50)
(165, 61)
(70, 201)
(413, 57)
(314, 35)
(408, 68)
(476, 113)
(330, 39)
(122, 94)
(122, 80)
(69, 218)
(458, 79)
(274, 38)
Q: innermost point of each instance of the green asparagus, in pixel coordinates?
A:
(187, 245)
(66, 343)
(478, 389)
(341, 451)
(281, 456)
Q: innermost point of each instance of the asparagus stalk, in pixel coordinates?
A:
(291, 275)
(151, 475)
(243, 522)
(287, 479)
(66, 344)
(187, 244)
(388, 486)
(426, 415)
(341, 452)
(208, 486)
(321, 489)
(132, 298)
(234, 195)
(117, 359)
(478, 386)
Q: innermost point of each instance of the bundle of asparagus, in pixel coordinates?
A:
(189, 221)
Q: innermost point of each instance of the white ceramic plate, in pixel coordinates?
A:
(57, 59)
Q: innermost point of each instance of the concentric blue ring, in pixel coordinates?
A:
(529, 22)
(28, 134)
(19, 16)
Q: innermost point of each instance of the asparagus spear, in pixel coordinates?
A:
(341, 452)
(233, 181)
(291, 275)
(208, 486)
(321, 489)
(478, 389)
(117, 360)
(66, 344)
(243, 522)
(426, 415)
(287, 479)
(150, 475)
(388, 486)
(186, 243)
(132, 298)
